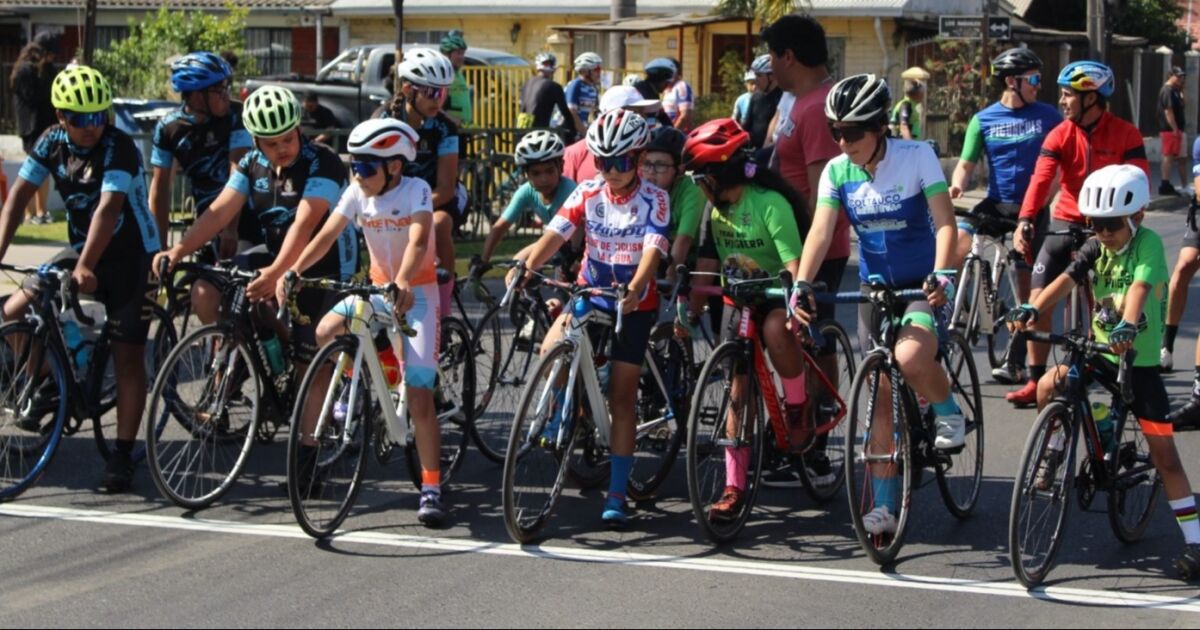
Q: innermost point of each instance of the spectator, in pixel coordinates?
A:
(763, 104)
(540, 96)
(577, 162)
(583, 92)
(458, 101)
(318, 117)
(742, 105)
(659, 74)
(1170, 127)
(906, 115)
(679, 100)
(30, 81)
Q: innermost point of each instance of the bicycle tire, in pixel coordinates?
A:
(25, 454)
(657, 447)
(961, 493)
(1136, 484)
(832, 444)
(1004, 299)
(519, 355)
(1041, 549)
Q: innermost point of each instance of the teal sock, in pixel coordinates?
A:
(887, 493)
(946, 408)
(618, 478)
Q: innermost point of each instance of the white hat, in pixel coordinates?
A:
(624, 97)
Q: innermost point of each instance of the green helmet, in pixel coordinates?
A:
(453, 41)
(81, 89)
(271, 111)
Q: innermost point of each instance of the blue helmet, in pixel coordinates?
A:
(1088, 76)
(197, 71)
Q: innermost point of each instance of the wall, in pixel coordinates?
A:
(483, 31)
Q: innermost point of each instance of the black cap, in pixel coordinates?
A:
(1177, 71)
(48, 41)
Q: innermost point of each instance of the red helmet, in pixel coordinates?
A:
(714, 142)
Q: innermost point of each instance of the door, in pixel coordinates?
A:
(721, 46)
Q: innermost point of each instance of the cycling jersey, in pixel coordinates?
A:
(1112, 274)
(890, 213)
(386, 221)
(583, 96)
(1074, 152)
(80, 175)
(618, 230)
(1012, 139)
(677, 97)
(438, 137)
(526, 199)
(201, 148)
(687, 208)
(272, 199)
(756, 235)
(740, 107)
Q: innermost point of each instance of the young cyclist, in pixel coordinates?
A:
(395, 214)
(98, 171)
(540, 155)
(894, 194)
(207, 138)
(662, 165)
(625, 221)
(1128, 272)
(583, 92)
(753, 229)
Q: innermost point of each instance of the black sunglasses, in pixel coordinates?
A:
(1112, 224)
(849, 134)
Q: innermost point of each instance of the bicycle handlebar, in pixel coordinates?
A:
(1087, 346)
(67, 290)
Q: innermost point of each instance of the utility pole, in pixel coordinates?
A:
(616, 41)
(89, 31)
(984, 61)
(1095, 30)
(398, 10)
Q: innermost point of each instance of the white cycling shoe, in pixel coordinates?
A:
(951, 431)
(880, 521)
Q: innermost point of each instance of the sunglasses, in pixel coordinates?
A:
(849, 134)
(656, 167)
(1113, 224)
(620, 163)
(220, 89)
(365, 169)
(431, 93)
(80, 121)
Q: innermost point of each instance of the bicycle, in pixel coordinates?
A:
(730, 409)
(907, 449)
(564, 409)
(323, 485)
(986, 287)
(40, 376)
(1117, 463)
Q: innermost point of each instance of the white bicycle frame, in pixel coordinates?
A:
(981, 314)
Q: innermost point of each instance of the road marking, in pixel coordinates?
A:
(713, 565)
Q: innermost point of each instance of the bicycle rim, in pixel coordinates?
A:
(960, 471)
(831, 446)
(1037, 515)
(1136, 484)
(521, 332)
(1004, 299)
(661, 410)
(33, 409)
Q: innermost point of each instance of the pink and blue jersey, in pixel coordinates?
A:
(618, 231)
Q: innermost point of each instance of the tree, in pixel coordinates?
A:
(137, 65)
(955, 87)
(1156, 20)
(766, 11)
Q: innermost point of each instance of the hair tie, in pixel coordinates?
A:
(750, 169)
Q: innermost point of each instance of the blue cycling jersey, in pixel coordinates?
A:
(1012, 139)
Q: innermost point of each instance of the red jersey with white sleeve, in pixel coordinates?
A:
(617, 230)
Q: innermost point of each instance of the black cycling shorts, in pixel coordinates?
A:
(1054, 255)
(870, 318)
(127, 289)
(1150, 401)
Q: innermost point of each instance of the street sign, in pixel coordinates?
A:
(999, 28)
(971, 27)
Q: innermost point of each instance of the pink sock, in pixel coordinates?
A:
(794, 392)
(736, 461)
(445, 297)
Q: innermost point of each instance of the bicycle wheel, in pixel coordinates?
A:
(33, 407)
(1038, 514)
(880, 460)
(1004, 299)
(661, 409)
(726, 400)
(967, 301)
(1135, 483)
(325, 462)
(960, 471)
(202, 417)
(454, 399)
(824, 467)
(517, 332)
(535, 461)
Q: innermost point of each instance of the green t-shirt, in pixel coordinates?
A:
(458, 100)
(757, 234)
(1113, 274)
(687, 206)
(908, 112)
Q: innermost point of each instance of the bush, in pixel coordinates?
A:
(720, 105)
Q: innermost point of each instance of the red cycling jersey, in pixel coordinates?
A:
(1076, 153)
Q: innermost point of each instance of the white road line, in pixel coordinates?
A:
(715, 565)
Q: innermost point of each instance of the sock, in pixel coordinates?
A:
(794, 392)
(736, 460)
(1189, 522)
(125, 447)
(1169, 333)
(946, 408)
(887, 493)
(445, 298)
(1036, 372)
(431, 481)
(618, 477)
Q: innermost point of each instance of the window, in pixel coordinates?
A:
(271, 49)
(590, 42)
(837, 55)
(106, 36)
(424, 37)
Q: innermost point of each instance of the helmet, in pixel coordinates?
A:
(1118, 190)
(668, 140)
(761, 64)
(588, 61)
(545, 61)
(660, 69)
(1088, 76)
(271, 111)
(749, 76)
(617, 132)
(197, 71)
(631, 79)
(453, 41)
(862, 98)
(80, 89)
(539, 146)
(714, 143)
(385, 138)
(1015, 61)
(426, 67)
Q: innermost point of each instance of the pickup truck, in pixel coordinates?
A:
(352, 85)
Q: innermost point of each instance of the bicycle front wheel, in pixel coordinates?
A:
(824, 467)
(960, 471)
(513, 335)
(1004, 299)
(454, 399)
(33, 407)
(1136, 483)
(1041, 494)
(663, 392)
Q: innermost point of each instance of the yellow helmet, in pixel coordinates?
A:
(81, 89)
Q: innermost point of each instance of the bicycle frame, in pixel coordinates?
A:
(980, 316)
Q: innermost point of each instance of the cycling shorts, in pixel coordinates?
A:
(419, 353)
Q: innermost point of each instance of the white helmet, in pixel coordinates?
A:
(631, 79)
(385, 138)
(588, 61)
(761, 64)
(1118, 190)
(426, 67)
(545, 62)
(617, 132)
(539, 146)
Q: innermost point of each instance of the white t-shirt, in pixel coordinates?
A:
(385, 221)
(786, 100)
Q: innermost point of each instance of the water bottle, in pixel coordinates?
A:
(603, 367)
(391, 366)
(1104, 425)
(74, 339)
(274, 351)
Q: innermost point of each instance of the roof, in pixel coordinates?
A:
(152, 5)
(818, 8)
(646, 24)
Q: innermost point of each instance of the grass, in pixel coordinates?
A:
(29, 234)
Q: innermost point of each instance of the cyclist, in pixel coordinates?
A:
(1128, 272)
(98, 171)
(742, 105)
(754, 230)
(395, 213)
(207, 138)
(458, 97)
(660, 72)
(1185, 268)
(578, 162)
(287, 185)
(679, 100)
(906, 115)
(583, 92)
(764, 103)
(1089, 139)
(625, 220)
(425, 76)
(542, 97)
(662, 165)
(1011, 132)
(540, 155)
(895, 196)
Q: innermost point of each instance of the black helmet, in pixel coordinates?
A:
(862, 98)
(668, 140)
(1015, 61)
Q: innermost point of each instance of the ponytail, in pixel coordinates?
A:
(742, 169)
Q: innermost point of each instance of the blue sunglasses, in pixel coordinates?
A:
(1033, 79)
(365, 169)
(94, 119)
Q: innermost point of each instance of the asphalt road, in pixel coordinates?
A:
(71, 557)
